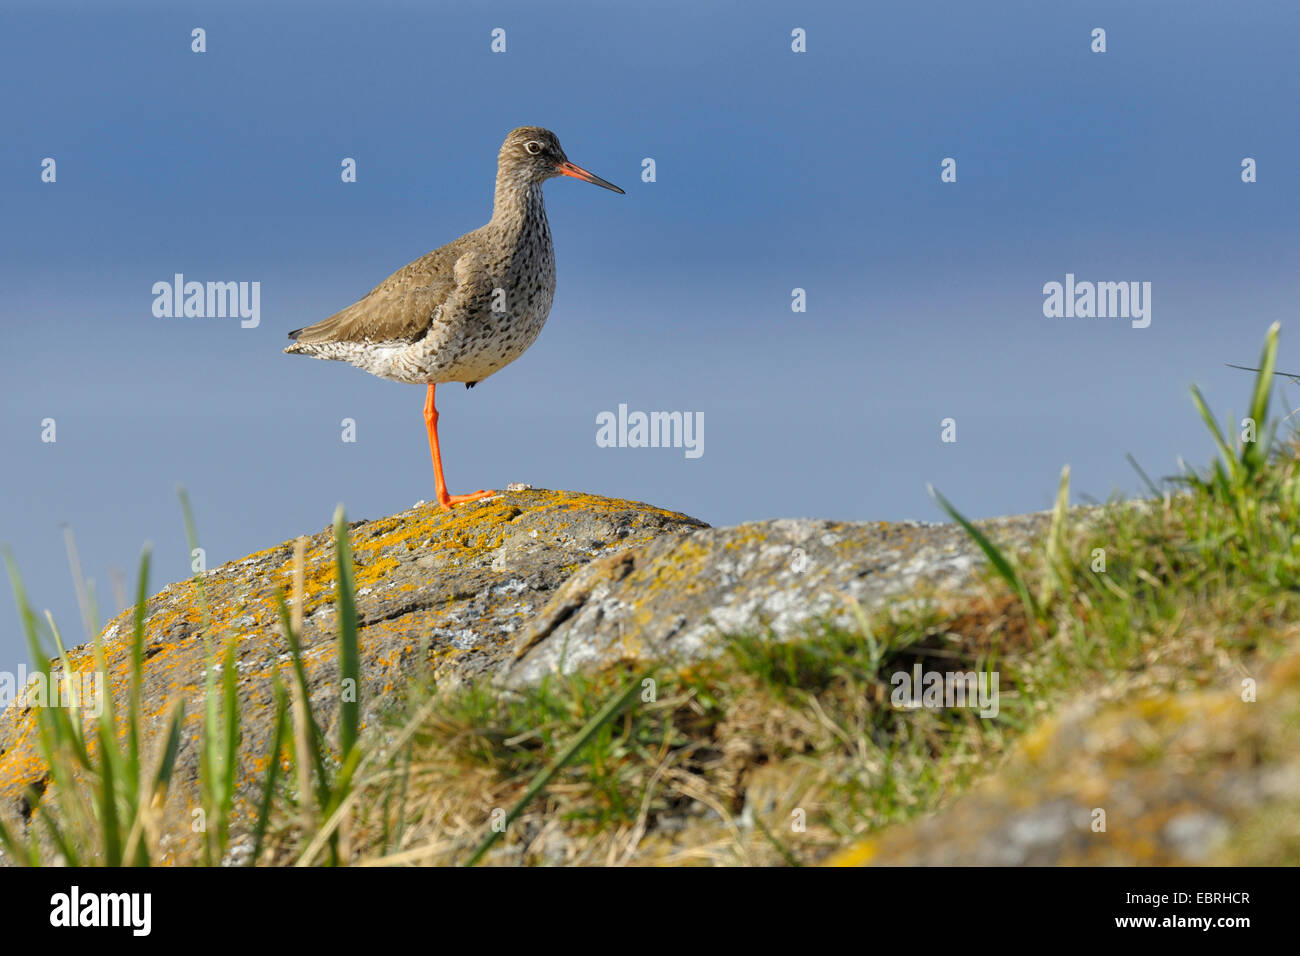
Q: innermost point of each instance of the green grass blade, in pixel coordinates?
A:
(1229, 458)
(593, 727)
(75, 729)
(996, 558)
(272, 769)
(1255, 454)
(162, 779)
(137, 670)
(1152, 489)
(229, 730)
(349, 657)
(108, 816)
(300, 686)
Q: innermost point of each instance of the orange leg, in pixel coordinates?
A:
(431, 423)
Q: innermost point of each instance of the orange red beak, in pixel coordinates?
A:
(577, 172)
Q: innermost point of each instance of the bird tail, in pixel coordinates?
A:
(297, 347)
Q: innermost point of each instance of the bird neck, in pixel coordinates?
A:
(518, 207)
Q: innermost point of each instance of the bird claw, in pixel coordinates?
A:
(449, 501)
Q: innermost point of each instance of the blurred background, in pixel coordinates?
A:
(775, 170)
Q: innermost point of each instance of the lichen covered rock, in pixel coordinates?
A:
(1172, 779)
(673, 597)
(452, 590)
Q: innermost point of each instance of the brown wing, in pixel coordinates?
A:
(399, 308)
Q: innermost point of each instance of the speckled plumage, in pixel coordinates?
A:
(472, 307)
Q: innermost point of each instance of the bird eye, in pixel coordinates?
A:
(533, 147)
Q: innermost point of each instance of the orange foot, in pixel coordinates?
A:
(449, 501)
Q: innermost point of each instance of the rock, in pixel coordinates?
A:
(672, 597)
(506, 589)
(452, 589)
(1181, 778)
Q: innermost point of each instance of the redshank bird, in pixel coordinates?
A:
(466, 310)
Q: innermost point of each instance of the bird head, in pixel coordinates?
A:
(531, 154)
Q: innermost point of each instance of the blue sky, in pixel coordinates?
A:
(775, 170)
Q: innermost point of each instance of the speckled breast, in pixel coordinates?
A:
(506, 316)
(498, 332)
